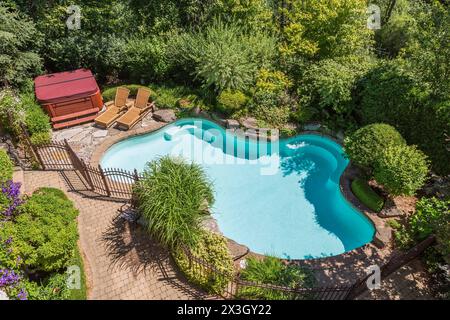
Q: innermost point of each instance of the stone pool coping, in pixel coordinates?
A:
(382, 236)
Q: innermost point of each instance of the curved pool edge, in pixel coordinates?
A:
(344, 181)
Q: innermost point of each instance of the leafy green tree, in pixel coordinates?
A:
(223, 56)
(391, 93)
(428, 51)
(330, 83)
(401, 169)
(396, 33)
(19, 43)
(146, 58)
(366, 145)
(314, 29)
(256, 15)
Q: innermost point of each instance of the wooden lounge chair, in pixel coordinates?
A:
(114, 108)
(140, 108)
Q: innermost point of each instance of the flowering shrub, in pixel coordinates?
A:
(212, 249)
(10, 199)
(37, 242)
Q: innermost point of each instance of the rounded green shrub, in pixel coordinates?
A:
(231, 100)
(44, 232)
(212, 249)
(365, 146)
(401, 169)
(172, 198)
(6, 167)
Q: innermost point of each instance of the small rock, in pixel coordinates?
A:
(210, 224)
(100, 133)
(312, 126)
(164, 115)
(250, 123)
(232, 124)
(390, 212)
(148, 122)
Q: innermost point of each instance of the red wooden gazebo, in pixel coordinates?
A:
(69, 98)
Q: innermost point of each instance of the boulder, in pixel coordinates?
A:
(164, 115)
(232, 124)
(312, 126)
(250, 123)
(391, 212)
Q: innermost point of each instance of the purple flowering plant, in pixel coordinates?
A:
(10, 278)
(11, 192)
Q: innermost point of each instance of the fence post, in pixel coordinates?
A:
(34, 153)
(105, 182)
(85, 172)
(136, 176)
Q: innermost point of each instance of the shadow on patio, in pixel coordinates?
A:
(129, 246)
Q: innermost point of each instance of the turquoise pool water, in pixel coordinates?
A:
(279, 198)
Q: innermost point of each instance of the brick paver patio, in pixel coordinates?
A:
(121, 261)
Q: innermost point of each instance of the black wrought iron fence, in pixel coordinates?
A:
(233, 287)
(108, 182)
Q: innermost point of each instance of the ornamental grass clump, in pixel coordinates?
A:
(273, 271)
(172, 198)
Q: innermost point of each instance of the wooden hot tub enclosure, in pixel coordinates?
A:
(69, 98)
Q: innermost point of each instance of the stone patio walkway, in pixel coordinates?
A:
(121, 261)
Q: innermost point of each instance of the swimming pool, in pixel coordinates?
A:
(280, 198)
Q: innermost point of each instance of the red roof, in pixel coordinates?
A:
(62, 86)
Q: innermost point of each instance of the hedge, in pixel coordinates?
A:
(366, 195)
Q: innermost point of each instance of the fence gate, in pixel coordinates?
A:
(54, 156)
(114, 183)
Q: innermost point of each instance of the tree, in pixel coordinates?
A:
(366, 146)
(397, 28)
(324, 28)
(223, 56)
(330, 83)
(401, 169)
(428, 52)
(391, 93)
(19, 42)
